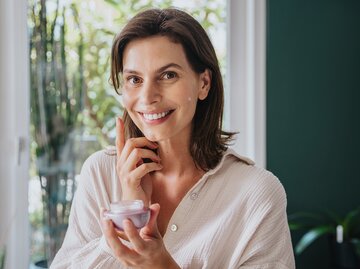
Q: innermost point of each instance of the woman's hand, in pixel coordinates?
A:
(148, 250)
(131, 169)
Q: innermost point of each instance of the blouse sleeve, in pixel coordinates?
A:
(84, 245)
(269, 245)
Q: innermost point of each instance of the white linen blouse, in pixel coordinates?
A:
(234, 217)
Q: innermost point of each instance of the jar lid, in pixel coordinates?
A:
(126, 206)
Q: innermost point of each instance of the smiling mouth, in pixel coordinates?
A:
(156, 116)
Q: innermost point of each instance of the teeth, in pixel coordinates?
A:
(155, 116)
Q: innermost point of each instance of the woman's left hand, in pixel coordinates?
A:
(148, 247)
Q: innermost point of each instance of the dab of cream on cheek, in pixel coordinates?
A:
(189, 99)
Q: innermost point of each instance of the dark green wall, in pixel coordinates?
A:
(313, 107)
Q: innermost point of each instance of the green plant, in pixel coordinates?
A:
(2, 257)
(56, 95)
(327, 223)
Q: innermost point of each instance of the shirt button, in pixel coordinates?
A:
(174, 228)
(193, 196)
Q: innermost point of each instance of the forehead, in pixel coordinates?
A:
(151, 53)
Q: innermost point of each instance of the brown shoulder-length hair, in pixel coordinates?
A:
(208, 140)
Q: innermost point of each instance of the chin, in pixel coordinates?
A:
(151, 136)
(155, 137)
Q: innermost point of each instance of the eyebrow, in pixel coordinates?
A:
(159, 70)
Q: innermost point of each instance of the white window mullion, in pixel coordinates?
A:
(246, 44)
(14, 135)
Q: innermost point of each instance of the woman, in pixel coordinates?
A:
(210, 208)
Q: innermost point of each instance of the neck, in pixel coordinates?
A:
(176, 159)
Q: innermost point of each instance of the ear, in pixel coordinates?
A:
(205, 84)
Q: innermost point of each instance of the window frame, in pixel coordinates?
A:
(14, 135)
(244, 105)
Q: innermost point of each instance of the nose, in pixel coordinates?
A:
(150, 93)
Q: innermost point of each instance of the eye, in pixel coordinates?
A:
(169, 75)
(134, 80)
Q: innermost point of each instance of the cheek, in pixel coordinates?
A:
(128, 104)
(126, 101)
(189, 102)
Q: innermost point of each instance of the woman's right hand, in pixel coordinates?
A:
(133, 173)
(147, 246)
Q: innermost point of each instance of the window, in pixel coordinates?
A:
(14, 106)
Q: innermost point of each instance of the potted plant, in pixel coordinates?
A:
(343, 234)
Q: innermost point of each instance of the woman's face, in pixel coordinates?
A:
(160, 90)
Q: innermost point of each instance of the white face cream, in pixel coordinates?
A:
(126, 206)
(132, 210)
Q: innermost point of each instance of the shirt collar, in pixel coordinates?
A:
(228, 154)
(111, 150)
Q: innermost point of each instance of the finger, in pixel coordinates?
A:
(138, 154)
(120, 136)
(119, 249)
(135, 176)
(108, 227)
(138, 142)
(134, 237)
(121, 234)
(151, 229)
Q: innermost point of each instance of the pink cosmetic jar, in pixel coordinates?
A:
(132, 210)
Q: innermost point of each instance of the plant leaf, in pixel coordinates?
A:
(305, 215)
(112, 2)
(333, 217)
(2, 257)
(304, 220)
(351, 219)
(311, 236)
(296, 226)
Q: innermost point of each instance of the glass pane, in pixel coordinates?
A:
(73, 106)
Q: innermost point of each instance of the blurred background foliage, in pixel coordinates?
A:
(73, 105)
